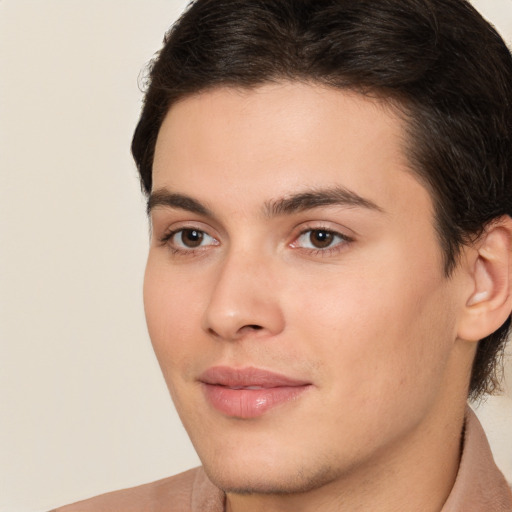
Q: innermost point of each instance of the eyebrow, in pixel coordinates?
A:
(302, 201)
(308, 200)
(163, 197)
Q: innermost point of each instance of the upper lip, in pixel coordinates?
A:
(248, 377)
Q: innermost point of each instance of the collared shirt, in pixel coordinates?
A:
(479, 486)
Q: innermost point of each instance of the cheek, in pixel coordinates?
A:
(376, 332)
(172, 315)
(378, 357)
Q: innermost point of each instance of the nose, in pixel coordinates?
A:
(244, 300)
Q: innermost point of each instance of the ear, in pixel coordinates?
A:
(490, 302)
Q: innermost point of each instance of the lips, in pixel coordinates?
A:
(248, 392)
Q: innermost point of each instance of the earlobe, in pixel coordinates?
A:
(490, 302)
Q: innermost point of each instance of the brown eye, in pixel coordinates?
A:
(320, 239)
(191, 237)
(188, 240)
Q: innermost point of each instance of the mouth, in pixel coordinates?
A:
(248, 392)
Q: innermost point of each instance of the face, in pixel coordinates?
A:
(294, 290)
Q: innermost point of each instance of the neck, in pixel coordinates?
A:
(416, 473)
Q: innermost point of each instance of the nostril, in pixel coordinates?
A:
(230, 332)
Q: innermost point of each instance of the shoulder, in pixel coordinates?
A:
(154, 497)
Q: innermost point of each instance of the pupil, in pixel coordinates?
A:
(192, 237)
(321, 239)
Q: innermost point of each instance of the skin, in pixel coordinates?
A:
(370, 321)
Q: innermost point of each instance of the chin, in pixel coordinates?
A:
(269, 478)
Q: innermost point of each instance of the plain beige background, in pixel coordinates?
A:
(83, 408)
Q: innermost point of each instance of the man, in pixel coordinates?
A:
(329, 278)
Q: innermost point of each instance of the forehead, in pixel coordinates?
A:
(250, 145)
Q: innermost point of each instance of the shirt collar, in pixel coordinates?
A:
(480, 485)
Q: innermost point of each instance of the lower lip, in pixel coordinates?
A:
(250, 403)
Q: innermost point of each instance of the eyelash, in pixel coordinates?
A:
(344, 239)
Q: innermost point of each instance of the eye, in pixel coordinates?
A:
(318, 239)
(188, 239)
